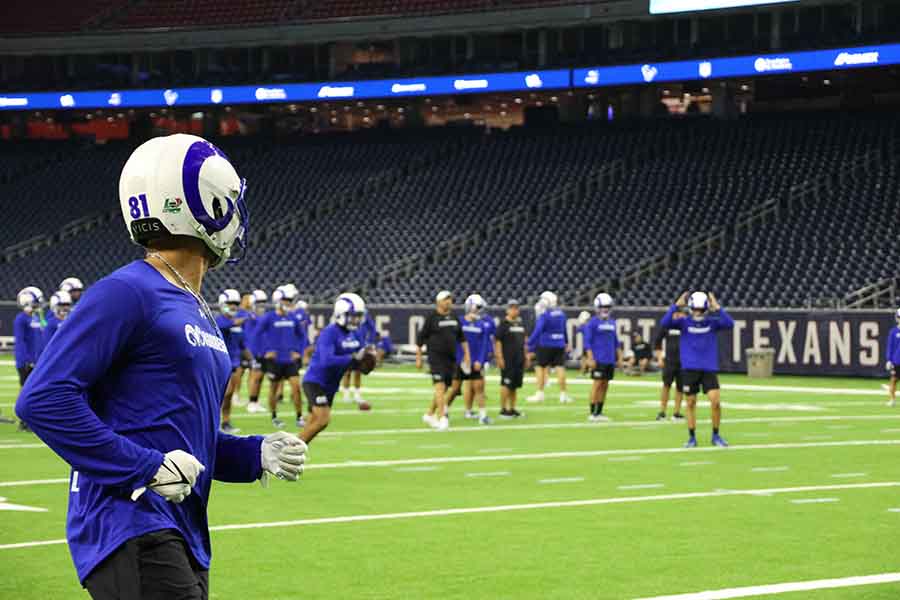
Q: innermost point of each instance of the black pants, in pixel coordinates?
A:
(154, 566)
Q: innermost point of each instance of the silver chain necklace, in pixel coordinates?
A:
(203, 305)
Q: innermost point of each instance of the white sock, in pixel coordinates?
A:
(345, 392)
(540, 394)
(357, 395)
(482, 413)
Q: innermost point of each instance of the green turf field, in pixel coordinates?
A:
(548, 507)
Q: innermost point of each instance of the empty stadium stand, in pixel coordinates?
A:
(569, 208)
(54, 16)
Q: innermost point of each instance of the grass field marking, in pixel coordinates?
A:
(434, 446)
(642, 486)
(513, 507)
(696, 463)
(33, 482)
(488, 474)
(553, 480)
(895, 430)
(772, 421)
(815, 500)
(769, 469)
(655, 384)
(782, 588)
(894, 510)
(848, 475)
(356, 464)
(489, 450)
(818, 437)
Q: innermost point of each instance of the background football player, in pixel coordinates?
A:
(601, 343)
(893, 359)
(231, 324)
(252, 342)
(549, 344)
(282, 340)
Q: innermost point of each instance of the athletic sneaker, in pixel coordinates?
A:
(506, 414)
(678, 417)
(443, 424)
(565, 399)
(363, 405)
(485, 420)
(301, 423)
(662, 416)
(718, 440)
(471, 414)
(277, 423)
(227, 427)
(601, 418)
(535, 398)
(429, 420)
(23, 426)
(891, 403)
(516, 414)
(691, 443)
(253, 407)
(236, 400)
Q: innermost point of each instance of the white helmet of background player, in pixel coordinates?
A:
(229, 301)
(260, 298)
(281, 301)
(550, 298)
(291, 290)
(61, 304)
(698, 302)
(475, 304)
(37, 293)
(183, 185)
(583, 317)
(28, 300)
(349, 311)
(603, 304)
(73, 286)
(302, 305)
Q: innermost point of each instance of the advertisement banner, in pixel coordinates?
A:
(847, 343)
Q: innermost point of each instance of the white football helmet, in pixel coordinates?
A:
(349, 311)
(61, 304)
(699, 301)
(583, 317)
(71, 284)
(540, 308)
(229, 301)
(302, 305)
(475, 304)
(551, 299)
(37, 293)
(603, 304)
(290, 292)
(183, 185)
(897, 316)
(259, 300)
(28, 300)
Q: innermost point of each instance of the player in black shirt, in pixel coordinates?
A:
(512, 358)
(440, 334)
(641, 354)
(670, 364)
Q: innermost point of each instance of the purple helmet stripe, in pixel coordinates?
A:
(190, 180)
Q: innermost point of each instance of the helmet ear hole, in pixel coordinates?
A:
(217, 208)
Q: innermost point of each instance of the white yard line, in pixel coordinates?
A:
(697, 463)
(33, 482)
(359, 464)
(561, 480)
(769, 469)
(815, 500)
(783, 588)
(848, 475)
(642, 486)
(489, 474)
(515, 507)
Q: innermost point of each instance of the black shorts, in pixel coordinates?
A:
(442, 370)
(153, 566)
(511, 377)
(603, 372)
(692, 381)
(316, 396)
(246, 363)
(472, 376)
(551, 357)
(24, 372)
(672, 373)
(258, 363)
(277, 371)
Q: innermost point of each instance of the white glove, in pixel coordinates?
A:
(889, 366)
(283, 455)
(175, 477)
